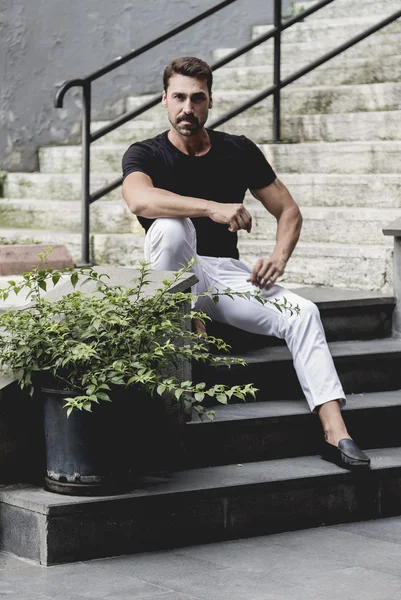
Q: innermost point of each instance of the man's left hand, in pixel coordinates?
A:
(266, 271)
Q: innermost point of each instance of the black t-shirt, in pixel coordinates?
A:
(232, 165)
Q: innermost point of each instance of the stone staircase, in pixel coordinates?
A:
(256, 470)
(339, 157)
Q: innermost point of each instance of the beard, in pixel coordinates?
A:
(191, 127)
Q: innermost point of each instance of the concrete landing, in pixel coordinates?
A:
(197, 506)
(359, 561)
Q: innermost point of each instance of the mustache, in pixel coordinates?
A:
(190, 118)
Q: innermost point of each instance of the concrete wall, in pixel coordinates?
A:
(45, 42)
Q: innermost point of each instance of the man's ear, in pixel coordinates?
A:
(164, 99)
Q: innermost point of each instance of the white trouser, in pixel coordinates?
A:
(171, 243)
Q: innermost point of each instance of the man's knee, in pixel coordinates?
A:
(170, 234)
(308, 313)
(171, 243)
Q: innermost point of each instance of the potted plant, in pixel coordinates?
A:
(99, 343)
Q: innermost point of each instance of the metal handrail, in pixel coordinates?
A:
(275, 32)
(88, 138)
(121, 120)
(304, 71)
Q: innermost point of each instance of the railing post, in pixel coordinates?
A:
(277, 71)
(86, 143)
(394, 229)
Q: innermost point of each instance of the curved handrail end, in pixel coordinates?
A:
(63, 89)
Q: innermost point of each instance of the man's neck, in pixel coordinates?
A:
(194, 145)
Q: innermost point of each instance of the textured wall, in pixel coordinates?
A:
(44, 42)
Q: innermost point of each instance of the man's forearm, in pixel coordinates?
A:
(154, 203)
(288, 230)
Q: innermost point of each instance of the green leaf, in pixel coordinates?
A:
(161, 389)
(56, 278)
(199, 396)
(87, 406)
(74, 278)
(69, 410)
(178, 393)
(103, 396)
(42, 284)
(222, 398)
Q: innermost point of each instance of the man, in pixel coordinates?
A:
(187, 186)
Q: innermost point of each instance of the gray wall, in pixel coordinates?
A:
(45, 42)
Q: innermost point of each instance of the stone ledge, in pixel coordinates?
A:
(16, 259)
(199, 506)
(393, 228)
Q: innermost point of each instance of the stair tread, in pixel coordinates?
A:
(326, 297)
(357, 249)
(123, 145)
(272, 409)
(352, 178)
(368, 348)
(204, 480)
(333, 21)
(229, 68)
(236, 94)
(153, 123)
(47, 232)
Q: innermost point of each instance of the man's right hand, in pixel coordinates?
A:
(235, 216)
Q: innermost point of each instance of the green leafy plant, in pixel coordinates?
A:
(114, 337)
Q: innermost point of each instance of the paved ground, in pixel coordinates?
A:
(361, 561)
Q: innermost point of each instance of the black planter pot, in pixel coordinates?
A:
(104, 451)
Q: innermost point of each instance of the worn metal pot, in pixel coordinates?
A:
(106, 450)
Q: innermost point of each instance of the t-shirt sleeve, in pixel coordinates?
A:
(138, 157)
(259, 172)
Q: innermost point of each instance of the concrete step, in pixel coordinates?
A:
(315, 189)
(306, 52)
(352, 127)
(335, 29)
(64, 215)
(198, 506)
(343, 8)
(299, 100)
(56, 186)
(123, 249)
(258, 126)
(335, 157)
(335, 190)
(334, 265)
(267, 430)
(349, 127)
(362, 366)
(328, 225)
(334, 72)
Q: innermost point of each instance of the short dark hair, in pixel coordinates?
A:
(190, 66)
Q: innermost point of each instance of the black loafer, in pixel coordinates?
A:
(346, 454)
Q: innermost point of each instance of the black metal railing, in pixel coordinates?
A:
(275, 90)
